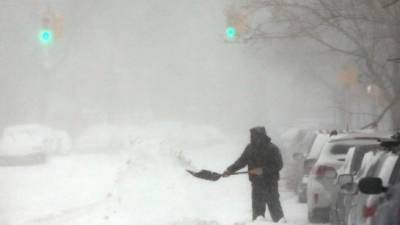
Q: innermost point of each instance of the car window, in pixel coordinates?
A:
(359, 156)
(368, 164)
(376, 168)
(387, 168)
(348, 161)
(308, 141)
(340, 149)
(395, 177)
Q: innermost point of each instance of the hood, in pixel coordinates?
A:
(259, 133)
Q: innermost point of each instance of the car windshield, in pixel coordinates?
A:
(317, 146)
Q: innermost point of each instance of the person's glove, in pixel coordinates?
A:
(227, 173)
(256, 172)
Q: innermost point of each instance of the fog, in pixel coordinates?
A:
(102, 118)
(141, 61)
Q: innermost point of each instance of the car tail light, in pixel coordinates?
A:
(368, 211)
(321, 171)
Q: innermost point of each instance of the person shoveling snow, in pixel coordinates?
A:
(264, 161)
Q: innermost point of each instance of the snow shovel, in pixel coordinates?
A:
(209, 175)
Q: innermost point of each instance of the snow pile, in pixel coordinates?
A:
(103, 138)
(146, 184)
(187, 141)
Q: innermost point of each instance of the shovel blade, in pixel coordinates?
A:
(206, 175)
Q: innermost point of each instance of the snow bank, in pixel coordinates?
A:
(144, 184)
(187, 141)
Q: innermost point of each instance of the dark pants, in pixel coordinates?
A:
(266, 193)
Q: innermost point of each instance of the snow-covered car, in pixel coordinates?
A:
(373, 209)
(388, 207)
(315, 152)
(363, 206)
(23, 145)
(308, 163)
(350, 167)
(387, 210)
(302, 144)
(323, 174)
(349, 184)
(57, 142)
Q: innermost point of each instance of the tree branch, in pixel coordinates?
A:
(375, 123)
(390, 4)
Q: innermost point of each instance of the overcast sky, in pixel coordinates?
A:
(151, 60)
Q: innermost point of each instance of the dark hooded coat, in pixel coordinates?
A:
(260, 154)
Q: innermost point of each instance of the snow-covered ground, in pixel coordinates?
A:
(145, 184)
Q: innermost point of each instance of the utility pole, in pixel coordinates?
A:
(51, 30)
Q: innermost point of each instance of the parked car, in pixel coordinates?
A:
(297, 142)
(351, 165)
(348, 183)
(383, 205)
(308, 162)
(23, 145)
(320, 185)
(387, 212)
(356, 201)
(57, 142)
(384, 172)
(362, 206)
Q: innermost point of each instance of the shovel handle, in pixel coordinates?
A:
(244, 172)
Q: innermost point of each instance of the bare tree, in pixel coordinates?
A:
(389, 3)
(362, 29)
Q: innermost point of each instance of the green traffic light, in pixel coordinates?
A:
(45, 36)
(230, 32)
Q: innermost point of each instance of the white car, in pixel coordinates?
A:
(311, 158)
(22, 145)
(354, 162)
(364, 206)
(58, 142)
(315, 152)
(320, 187)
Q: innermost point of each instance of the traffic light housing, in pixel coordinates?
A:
(51, 27)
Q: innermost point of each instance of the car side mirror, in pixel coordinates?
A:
(371, 185)
(298, 156)
(344, 179)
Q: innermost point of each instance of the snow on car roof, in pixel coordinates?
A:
(357, 136)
